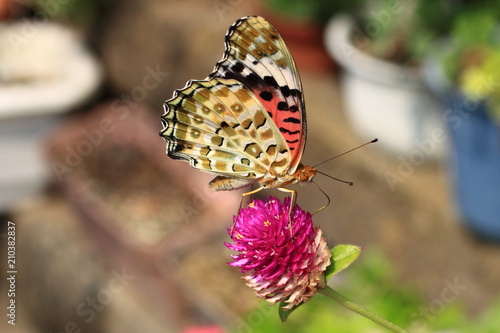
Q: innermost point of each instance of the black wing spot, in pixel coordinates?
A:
(294, 108)
(271, 81)
(295, 92)
(282, 106)
(177, 147)
(285, 90)
(230, 75)
(252, 80)
(284, 130)
(292, 120)
(292, 141)
(266, 95)
(238, 67)
(223, 125)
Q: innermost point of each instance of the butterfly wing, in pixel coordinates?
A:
(257, 56)
(220, 126)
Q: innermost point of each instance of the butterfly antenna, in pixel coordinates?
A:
(334, 157)
(334, 178)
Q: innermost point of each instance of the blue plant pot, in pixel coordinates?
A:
(475, 164)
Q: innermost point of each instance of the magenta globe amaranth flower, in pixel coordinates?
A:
(280, 265)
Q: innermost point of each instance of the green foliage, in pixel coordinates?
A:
(390, 26)
(466, 22)
(474, 55)
(371, 283)
(80, 12)
(471, 28)
(487, 322)
(315, 10)
(284, 314)
(343, 256)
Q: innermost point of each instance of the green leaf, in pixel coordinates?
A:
(343, 256)
(285, 313)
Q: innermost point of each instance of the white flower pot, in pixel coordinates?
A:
(44, 71)
(384, 100)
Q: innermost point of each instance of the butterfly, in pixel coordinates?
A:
(246, 122)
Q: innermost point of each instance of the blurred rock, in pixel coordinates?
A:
(58, 269)
(64, 282)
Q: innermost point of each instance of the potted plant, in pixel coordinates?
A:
(46, 71)
(301, 23)
(393, 53)
(384, 94)
(463, 70)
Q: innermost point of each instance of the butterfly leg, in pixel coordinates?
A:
(292, 205)
(243, 198)
(247, 194)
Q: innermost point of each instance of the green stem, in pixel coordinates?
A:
(329, 292)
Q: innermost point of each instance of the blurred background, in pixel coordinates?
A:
(113, 236)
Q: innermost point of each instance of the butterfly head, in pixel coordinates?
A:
(305, 173)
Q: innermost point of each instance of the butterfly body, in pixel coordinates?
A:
(246, 121)
(302, 174)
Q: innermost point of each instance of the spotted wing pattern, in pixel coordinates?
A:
(245, 121)
(220, 126)
(257, 56)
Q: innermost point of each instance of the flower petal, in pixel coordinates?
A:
(277, 264)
